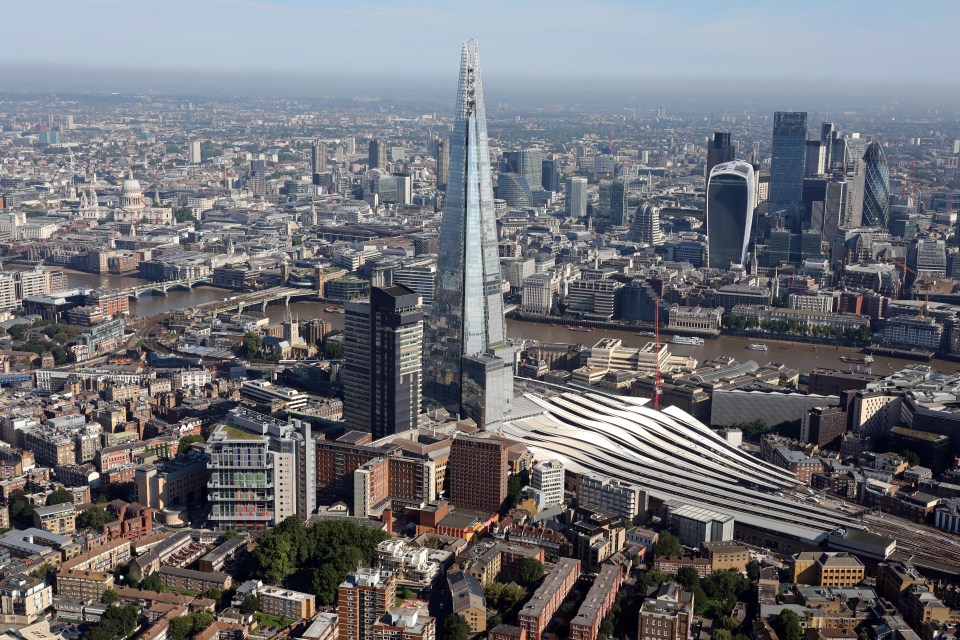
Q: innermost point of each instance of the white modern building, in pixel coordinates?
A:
(696, 525)
(547, 476)
(597, 491)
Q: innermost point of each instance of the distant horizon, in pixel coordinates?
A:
(820, 50)
(802, 93)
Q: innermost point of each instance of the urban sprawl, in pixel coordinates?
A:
(322, 369)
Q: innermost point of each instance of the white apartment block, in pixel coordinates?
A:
(608, 494)
(547, 476)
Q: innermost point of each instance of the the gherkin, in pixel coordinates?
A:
(876, 190)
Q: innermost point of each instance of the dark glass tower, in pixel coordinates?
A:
(789, 158)
(719, 151)
(876, 190)
(730, 200)
(550, 176)
(377, 156)
(383, 354)
(463, 367)
(613, 202)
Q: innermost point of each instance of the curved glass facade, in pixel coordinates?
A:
(513, 188)
(646, 224)
(730, 197)
(876, 189)
(466, 317)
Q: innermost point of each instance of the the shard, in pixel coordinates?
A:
(468, 368)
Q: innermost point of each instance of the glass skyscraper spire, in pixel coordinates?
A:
(463, 370)
(876, 191)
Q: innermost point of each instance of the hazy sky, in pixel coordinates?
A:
(854, 41)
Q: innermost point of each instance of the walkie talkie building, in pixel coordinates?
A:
(730, 200)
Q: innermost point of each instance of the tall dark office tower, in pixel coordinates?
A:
(719, 151)
(823, 201)
(258, 177)
(318, 157)
(443, 163)
(816, 159)
(613, 202)
(876, 192)
(550, 176)
(377, 157)
(827, 130)
(383, 357)
(789, 155)
(730, 199)
(465, 338)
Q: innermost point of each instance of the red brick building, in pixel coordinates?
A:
(477, 472)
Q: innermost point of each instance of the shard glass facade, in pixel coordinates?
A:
(876, 189)
(466, 319)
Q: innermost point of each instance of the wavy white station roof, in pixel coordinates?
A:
(671, 455)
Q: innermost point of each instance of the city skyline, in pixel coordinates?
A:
(298, 339)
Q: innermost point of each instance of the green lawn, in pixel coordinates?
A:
(270, 621)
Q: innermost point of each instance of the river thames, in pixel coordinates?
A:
(800, 356)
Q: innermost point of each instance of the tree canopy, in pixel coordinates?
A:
(531, 570)
(115, 623)
(94, 518)
(753, 570)
(60, 496)
(189, 626)
(21, 510)
(688, 577)
(753, 428)
(186, 441)
(109, 596)
(249, 605)
(910, 457)
(152, 582)
(788, 626)
(667, 545)
(252, 345)
(455, 627)
(504, 596)
(330, 549)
